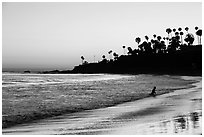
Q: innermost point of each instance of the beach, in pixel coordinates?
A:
(102, 68)
(176, 112)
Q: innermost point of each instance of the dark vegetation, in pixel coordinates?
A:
(174, 54)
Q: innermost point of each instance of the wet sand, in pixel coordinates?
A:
(178, 112)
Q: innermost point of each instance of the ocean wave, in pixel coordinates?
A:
(26, 103)
(39, 79)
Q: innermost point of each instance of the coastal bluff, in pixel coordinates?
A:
(184, 62)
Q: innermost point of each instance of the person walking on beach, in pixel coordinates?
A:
(153, 93)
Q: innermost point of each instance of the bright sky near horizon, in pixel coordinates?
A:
(48, 36)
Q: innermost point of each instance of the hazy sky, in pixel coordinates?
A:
(55, 35)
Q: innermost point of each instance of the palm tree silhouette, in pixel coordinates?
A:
(174, 30)
(147, 38)
(168, 30)
(130, 51)
(181, 34)
(176, 33)
(153, 45)
(82, 58)
(167, 39)
(159, 38)
(124, 50)
(189, 38)
(199, 33)
(141, 47)
(174, 44)
(138, 40)
(110, 54)
(154, 36)
(196, 28)
(186, 29)
(104, 57)
(144, 46)
(115, 56)
(179, 29)
(163, 46)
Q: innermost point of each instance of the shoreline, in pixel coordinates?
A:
(87, 111)
(184, 118)
(104, 104)
(108, 73)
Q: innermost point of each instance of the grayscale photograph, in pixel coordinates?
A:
(101, 68)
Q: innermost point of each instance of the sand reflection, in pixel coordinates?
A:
(182, 124)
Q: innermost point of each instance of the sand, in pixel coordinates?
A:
(178, 112)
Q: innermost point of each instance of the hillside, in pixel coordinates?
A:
(186, 62)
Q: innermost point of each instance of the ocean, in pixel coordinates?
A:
(29, 97)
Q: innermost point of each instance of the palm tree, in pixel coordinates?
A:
(115, 56)
(141, 47)
(176, 33)
(186, 29)
(159, 38)
(82, 58)
(104, 59)
(189, 38)
(130, 51)
(124, 50)
(181, 34)
(138, 40)
(103, 56)
(154, 36)
(199, 33)
(174, 30)
(110, 54)
(179, 29)
(168, 30)
(196, 28)
(163, 46)
(147, 38)
(174, 44)
(167, 39)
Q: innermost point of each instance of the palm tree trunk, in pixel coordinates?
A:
(200, 40)
(110, 56)
(168, 39)
(181, 40)
(124, 51)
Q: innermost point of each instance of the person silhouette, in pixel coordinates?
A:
(153, 93)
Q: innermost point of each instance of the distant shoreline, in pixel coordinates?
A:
(184, 73)
(158, 73)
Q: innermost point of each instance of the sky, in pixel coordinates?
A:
(47, 36)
